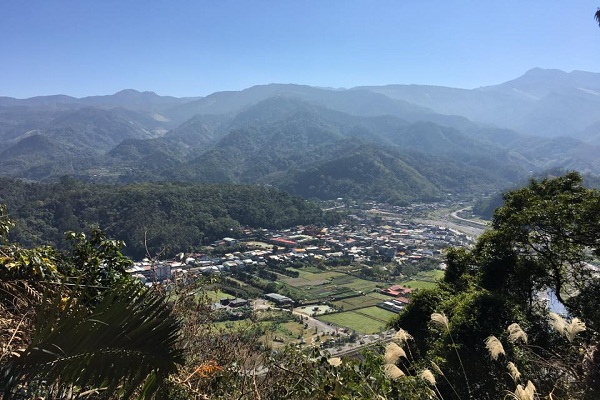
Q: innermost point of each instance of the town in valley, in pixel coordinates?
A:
(335, 287)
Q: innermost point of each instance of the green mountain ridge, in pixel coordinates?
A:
(277, 134)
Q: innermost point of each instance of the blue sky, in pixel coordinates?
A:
(196, 47)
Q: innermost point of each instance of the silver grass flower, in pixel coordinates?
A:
(427, 376)
(572, 329)
(335, 361)
(436, 368)
(568, 329)
(393, 352)
(402, 336)
(393, 372)
(557, 322)
(525, 393)
(494, 347)
(515, 333)
(440, 319)
(513, 371)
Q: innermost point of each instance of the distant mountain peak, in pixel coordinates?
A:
(130, 93)
(545, 72)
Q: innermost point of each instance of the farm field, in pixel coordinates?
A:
(354, 303)
(355, 321)
(377, 313)
(313, 309)
(414, 284)
(217, 295)
(317, 285)
(310, 275)
(435, 275)
(380, 296)
(355, 283)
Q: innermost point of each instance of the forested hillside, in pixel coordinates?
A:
(163, 216)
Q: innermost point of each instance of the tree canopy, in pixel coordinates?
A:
(544, 242)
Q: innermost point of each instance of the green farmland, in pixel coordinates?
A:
(365, 320)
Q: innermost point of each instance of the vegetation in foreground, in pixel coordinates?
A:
(483, 333)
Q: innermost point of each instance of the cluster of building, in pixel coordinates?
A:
(400, 298)
(383, 233)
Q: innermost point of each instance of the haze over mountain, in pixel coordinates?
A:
(395, 142)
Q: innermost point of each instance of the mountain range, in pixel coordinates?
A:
(397, 143)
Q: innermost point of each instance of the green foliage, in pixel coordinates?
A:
(126, 342)
(542, 239)
(74, 323)
(149, 217)
(552, 228)
(5, 222)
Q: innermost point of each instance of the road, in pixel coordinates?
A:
(311, 321)
(452, 220)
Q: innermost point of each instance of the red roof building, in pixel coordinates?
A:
(397, 290)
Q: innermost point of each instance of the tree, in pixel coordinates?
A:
(542, 239)
(74, 323)
(597, 16)
(549, 231)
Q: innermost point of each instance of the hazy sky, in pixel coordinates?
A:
(196, 47)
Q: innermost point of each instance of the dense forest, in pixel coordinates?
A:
(167, 217)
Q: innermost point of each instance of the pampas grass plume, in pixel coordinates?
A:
(572, 329)
(427, 376)
(335, 361)
(436, 368)
(513, 371)
(525, 393)
(494, 347)
(567, 329)
(440, 319)
(515, 333)
(402, 336)
(393, 372)
(393, 352)
(557, 322)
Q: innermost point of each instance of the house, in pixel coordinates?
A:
(278, 299)
(238, 303)
(284, 242)
(397, 290)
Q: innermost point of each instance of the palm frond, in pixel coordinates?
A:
(128, 342)
(597, 16)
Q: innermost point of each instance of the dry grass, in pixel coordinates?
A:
(393, 352)
(440, 319)
(494, 347)
(515, 333)
(393, 372)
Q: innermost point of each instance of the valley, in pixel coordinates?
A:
(335, 285)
